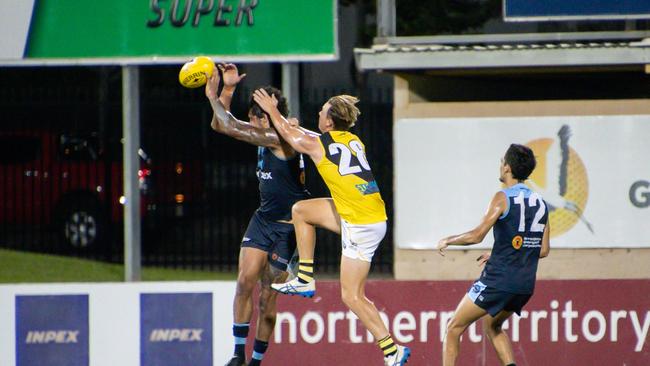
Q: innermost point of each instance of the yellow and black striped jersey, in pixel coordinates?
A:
(345, 169)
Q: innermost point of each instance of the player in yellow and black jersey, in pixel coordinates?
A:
(356, 210)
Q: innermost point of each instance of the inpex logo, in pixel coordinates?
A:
(176, 335)
(52, 336)
(175, 328)
(52, 330)
(561, 178)
(264, 175)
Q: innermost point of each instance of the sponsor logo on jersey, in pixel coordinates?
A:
(264, 175)
(517, 241)
(368, 188)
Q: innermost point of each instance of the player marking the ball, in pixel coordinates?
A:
(356, 210)
(269, 242)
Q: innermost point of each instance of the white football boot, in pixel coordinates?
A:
(295, 287)
(398, 358)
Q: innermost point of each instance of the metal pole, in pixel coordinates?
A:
(131, 135)
(386, 18)
(291, 87)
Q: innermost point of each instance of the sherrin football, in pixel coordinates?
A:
(195, 73)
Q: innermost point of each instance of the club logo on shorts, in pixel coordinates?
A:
(517, 241)
(274, 256)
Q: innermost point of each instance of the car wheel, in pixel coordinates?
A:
(81, 224)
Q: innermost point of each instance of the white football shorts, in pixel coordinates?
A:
(361, 241)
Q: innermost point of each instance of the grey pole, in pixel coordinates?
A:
(131, 135)
(291, 87)
(386, 18)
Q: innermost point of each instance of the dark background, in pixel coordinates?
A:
(218, 174)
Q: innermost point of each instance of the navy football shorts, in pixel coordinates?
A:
(276, 238)
(494, 300)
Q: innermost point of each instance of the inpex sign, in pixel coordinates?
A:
(52, 330)
(176, 328)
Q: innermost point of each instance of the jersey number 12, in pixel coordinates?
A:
(535, 227)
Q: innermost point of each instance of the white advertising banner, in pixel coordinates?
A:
(593, 171)
(127, 324)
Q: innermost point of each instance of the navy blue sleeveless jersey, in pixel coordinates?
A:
(518, 233)
(282, 183)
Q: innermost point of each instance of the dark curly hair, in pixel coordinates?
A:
(257, 111)
(521, 160)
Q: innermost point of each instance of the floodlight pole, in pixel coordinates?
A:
(131, 135)
(386, 19)
(291, 87)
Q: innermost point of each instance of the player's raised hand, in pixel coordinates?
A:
(212, 85)
(231, 75)
(483, 258)
(265, 101)
(442, 246)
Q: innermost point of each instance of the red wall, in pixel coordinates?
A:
(573, 325)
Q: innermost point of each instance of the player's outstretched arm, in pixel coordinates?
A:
(224, 122)
(496, 208)
(546, 241)
(302, 140)
(231, 78)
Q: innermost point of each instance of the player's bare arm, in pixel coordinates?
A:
(302, 140)
(496, 208)
(231, 78)
(224, 122)
(546, 241)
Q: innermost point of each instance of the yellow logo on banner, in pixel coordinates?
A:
(561, 178)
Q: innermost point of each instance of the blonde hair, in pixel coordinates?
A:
(343, 111)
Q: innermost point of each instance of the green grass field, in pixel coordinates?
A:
(22, 267)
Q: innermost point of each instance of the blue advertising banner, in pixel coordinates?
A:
(536, 10)
(176, 329)
(52, 330)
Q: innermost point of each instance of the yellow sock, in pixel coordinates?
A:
(305, 270)
(387, 345)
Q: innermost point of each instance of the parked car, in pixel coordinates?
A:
(68, 182)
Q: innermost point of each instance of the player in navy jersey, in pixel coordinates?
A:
(519, 217)
(269, 242)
